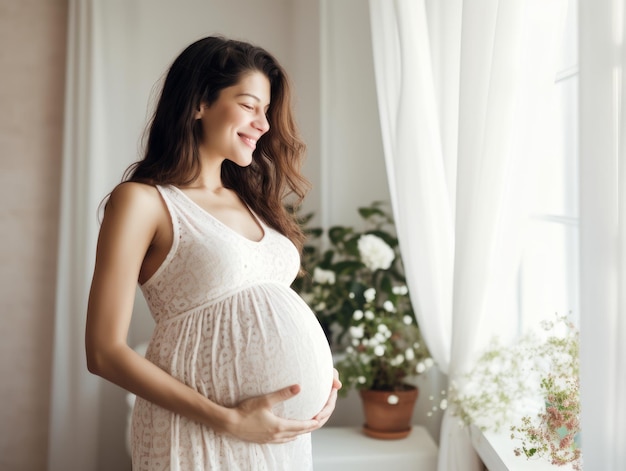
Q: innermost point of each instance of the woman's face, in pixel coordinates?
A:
(233, 124)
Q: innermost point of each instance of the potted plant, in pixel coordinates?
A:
(358, 290)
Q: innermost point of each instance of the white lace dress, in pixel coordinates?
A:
(228, 325)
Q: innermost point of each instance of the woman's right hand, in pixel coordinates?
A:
(254, 420)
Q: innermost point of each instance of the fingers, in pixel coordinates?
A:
(257, 423)
(281, 395)
(336, 382)
(328, 408)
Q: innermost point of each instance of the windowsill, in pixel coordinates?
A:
(496, 452)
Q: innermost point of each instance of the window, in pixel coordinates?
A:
(548, 274)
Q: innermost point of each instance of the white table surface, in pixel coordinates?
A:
(347, 448)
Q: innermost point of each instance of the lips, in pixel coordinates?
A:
(249, 141)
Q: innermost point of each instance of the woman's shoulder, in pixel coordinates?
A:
(135, 196)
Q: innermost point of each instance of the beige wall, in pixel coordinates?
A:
(32, 65)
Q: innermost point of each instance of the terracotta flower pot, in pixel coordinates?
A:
(388, 413)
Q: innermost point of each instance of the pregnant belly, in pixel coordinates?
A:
(265, 339)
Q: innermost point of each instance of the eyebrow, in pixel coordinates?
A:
(250, 95)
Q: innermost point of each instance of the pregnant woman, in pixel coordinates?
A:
(238, 371)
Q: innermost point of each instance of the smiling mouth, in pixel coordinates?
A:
(248, 141)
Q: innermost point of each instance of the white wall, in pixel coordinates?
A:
(353, 169)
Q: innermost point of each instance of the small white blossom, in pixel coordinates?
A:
(369, 315)
(375, 253)
(351, 295)
(393, 399)
(379, 350)
(365, 358)
(369, 294)
(361, 380)
(420, 368)
(382, 328)
(443, 405)
(365, 342)
(388, 306)
(409, 354)
(388, 334)
(358, 315)
(408, 320)
(398, 360)
(380, 337)
(355, 342)
(323, 277)
(321, 306)
(428, 362)
(356, 331)
(400, 290)
(349, 349)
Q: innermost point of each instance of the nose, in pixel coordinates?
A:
(261, 123)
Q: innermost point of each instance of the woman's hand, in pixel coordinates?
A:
(254, 420)
(328, 409)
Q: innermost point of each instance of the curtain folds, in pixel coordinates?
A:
(457, 171)
(75, 392)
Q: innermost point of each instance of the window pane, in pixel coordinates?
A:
(556, 187)
(549, 272)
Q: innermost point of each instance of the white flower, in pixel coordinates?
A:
(351, 295)
(398, 360)
(356, 331)
(379, 350)
(409, 354)
(349, 349)
(357, 315)
(420, 368)
(369, 294)
(393, 399)
(355, 342)
(408, 320)
(369, 315)
(443, 405)
(380, 337)
(400, 290)
(382, 328)
(388, 306)
(323, 277)
(361, 380)
(321, 306)
(375, 253)
(428, 362)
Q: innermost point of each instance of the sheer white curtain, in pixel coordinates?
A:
(603, 232)
(456, 169)
(96, 151)
(75, 393)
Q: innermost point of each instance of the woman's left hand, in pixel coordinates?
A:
(328, 409)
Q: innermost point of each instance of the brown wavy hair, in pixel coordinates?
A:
(171, 156)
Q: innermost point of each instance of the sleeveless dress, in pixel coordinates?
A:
(229, 325)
